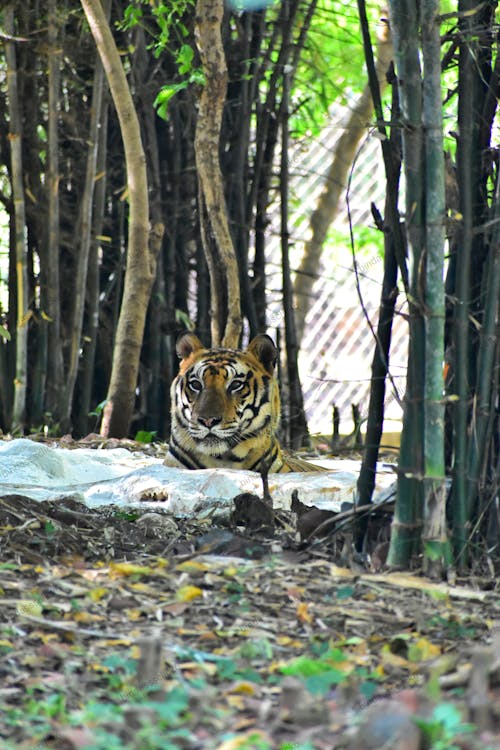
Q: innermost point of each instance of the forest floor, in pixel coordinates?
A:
(134, 630)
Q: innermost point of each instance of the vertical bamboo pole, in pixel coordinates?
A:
(436, 548)
(15, 140)
(405, 538)
(470, 144)
(52, 296)
(85, 239)
(297, 422)
(478, 444)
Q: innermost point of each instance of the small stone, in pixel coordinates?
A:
(387, 724)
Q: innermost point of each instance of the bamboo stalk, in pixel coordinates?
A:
(85, 224)
(436, 548)
(466, 170)
(55, 371)
(86, 377)
(20, 244)
(406, 530)
(478, 448)
(297, 422)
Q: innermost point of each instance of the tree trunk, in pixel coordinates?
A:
(143, 247)
(216, 237)
(15, 140)
(334, 186)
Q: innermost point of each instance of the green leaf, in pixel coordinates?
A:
(165, 94)
(105, 739)
(126, 515)
(131, 16)
(320, 684)
(303, 666)
(198, 77)
(118, 661)
(450, 718)
(345, 592)
(227, 669)
(144, 436)
(4, 333)
(170, 709)
(256, 649)
(99, 409)
(368, 689)
(49, 527)
(184, 59)
(184, 319)
(444, 724)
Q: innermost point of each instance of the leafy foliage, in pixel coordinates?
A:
(333, 44)
(444, 726)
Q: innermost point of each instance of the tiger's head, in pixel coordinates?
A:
(225, 405)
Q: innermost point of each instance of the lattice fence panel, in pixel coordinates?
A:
(338, 345)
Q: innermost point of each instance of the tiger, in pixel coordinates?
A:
(225, 409)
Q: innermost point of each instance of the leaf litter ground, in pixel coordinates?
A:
(136, 630)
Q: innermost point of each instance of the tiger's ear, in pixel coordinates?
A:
(262, 347)
(187, 344)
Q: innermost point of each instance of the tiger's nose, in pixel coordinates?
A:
(209, 421)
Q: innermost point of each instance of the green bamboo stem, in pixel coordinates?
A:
(405, 538)
(461, 335)
(485, 360)
(436, 553)
(20, 248)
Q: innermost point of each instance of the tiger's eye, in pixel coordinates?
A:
(195, 385)
(235, 385)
